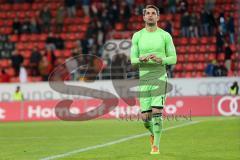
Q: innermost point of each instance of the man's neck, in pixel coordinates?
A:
(151, 28)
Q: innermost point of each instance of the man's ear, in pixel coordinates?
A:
(144, 18)
(158, 18)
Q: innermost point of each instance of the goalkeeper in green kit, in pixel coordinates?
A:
(152, 49)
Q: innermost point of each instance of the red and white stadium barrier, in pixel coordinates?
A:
(192, 105)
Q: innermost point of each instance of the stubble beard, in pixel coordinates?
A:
(151, 24)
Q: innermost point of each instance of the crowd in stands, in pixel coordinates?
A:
(104, 15)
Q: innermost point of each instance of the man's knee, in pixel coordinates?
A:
(146, 117)
(157, 110)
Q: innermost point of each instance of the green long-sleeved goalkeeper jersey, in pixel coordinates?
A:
(159, 43)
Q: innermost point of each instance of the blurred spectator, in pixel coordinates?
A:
(209, 70)
(119, 62)
(219, 70)
(23, 75)
(233, 90)
(228, 54)
(172, 6)
(230, 28)
(219, 42)
(130, 3)
(85, 6)
(139, 9)
(106, 60)
(58, 42)
(204, 23)
(44, 68)
(182, 6)
(17, 26)
(25, 26)
(114, 12)
(34, 26)
(72, 68)
(185, 24)
(17, 60)
(4, 77)
(209, 5)
(60, 18)
(97, 65)
(18, 95)
(35, 59)
(71, 7)
(45, 17)
(212, 23)
(51, 58)
(125, 12)
(84, 44)
(222, 25)
(50, 42)
(193, 29)
(168, 27)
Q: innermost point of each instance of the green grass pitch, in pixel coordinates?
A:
(210, 138)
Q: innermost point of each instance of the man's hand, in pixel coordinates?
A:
(155, 58)
(143, 59)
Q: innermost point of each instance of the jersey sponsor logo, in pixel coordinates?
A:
(2, 113)
(232, 103)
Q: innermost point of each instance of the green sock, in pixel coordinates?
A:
(157, 128)
(148, 125)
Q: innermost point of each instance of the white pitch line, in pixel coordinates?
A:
(112, 143)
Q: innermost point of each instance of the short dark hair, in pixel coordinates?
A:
(151, 6)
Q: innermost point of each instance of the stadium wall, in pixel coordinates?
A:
(180, 87)
(184, 107)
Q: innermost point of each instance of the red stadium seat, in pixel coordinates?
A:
(212, 48)
(200, 66)
(14, 79)
(202, 49)
(24, 38)
(188, 75)
(58, 53)
(211, 57)
(189, 67)
(26, 53)
(199, 74)
(192, 49)
(14, 38)
(67, 53)
(4, 63)
(204, 40)
(181, 49)
(119, 26)
(16, 7)
(10, 72)
(86, 19)
(191, 58)
(178, 67)
(201, 57)
(183, 41)
(221, 57)
(26, 62)
(180, 58)
(194, 41)
(233, 47)
(176, 33)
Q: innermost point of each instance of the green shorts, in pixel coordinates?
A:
(152, 93)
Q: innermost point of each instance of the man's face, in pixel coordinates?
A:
(150, 17)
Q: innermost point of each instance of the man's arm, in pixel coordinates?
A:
(134, 57)
(171, 57)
